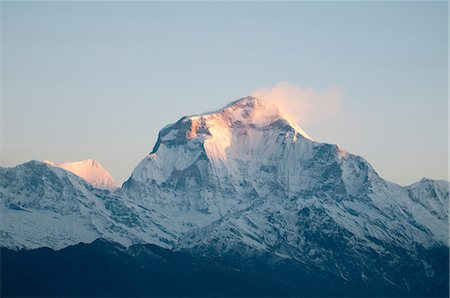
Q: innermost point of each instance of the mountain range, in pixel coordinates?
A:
(239, 202)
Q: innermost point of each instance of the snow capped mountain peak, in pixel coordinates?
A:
(248, 153)
(90, 170)
(227, 138)
(255, 112)
(252, 110)
(217, 129)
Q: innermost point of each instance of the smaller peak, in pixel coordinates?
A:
(90, 170)
(34, 162)
(428, 181)
(87, 162)
(423, 181)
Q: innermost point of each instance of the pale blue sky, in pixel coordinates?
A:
(98, 80)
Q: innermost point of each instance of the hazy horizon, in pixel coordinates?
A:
(99, 80)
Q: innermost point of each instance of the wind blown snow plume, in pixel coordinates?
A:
(302, 105)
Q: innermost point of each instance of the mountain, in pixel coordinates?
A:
(90, 170)
(45, 206)
(245, 163)
(245, 188)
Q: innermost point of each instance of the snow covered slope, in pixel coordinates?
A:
(45, 206)
(90, 170)
(247, 176)
(204, 167)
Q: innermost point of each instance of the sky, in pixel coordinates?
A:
(99, 79)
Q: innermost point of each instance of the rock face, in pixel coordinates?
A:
(90, 170)
(240, 183)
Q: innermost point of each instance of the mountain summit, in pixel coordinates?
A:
(218, 129)
(252, 111)
(90, 170)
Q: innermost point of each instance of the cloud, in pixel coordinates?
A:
(302, 105)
